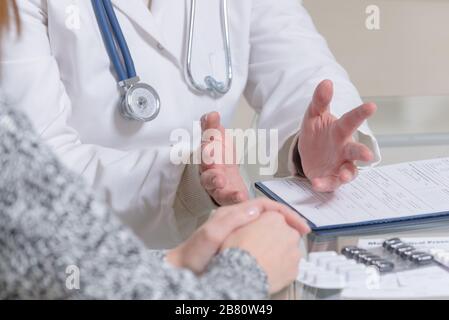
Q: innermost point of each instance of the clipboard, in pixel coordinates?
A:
(422, 185)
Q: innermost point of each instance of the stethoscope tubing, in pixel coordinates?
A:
(129, 62)
(114, 40)
(212, 86)
(107, 20)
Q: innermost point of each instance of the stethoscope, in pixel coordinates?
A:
(141, 101)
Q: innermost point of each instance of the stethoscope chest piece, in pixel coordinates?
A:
(141, 102)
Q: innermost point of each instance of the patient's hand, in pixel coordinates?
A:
(196, 253)
(275, 246)
(220, 174)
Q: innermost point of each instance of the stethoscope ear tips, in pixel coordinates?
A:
(214, 86)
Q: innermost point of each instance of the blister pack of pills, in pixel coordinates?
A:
(405, 256)
(329, 270)
(358, 267)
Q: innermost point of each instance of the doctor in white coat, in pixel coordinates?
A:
(60, 74)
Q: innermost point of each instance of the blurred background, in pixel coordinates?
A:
(403, 66)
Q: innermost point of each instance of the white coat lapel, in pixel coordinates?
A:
(139, 14)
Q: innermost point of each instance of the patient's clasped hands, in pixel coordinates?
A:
(267, 230)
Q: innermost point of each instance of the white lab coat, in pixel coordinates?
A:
(59, 73)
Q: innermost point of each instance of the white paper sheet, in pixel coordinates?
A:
(390, 192)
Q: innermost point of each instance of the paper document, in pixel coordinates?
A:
(421, 243)
(395, 192)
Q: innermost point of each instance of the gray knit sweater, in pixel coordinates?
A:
(54, 234)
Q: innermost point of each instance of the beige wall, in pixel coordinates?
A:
(409, 55)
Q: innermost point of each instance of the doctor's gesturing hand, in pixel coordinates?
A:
(220, 176)
(326, 146)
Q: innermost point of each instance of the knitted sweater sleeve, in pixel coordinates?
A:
(58, 242)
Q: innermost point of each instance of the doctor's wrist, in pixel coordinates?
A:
(298, 163)
(294, 158)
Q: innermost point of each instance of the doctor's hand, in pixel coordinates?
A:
(326, 146)
(220, 173)
(197, 252)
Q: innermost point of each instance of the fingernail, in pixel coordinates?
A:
(253, 212)
(308, 229)
(306, 223)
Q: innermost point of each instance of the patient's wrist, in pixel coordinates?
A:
(174, 258)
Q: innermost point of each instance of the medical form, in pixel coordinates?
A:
(391, 193)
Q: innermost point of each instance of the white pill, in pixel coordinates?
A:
(339, 264)
(301, 276)
(337, 260)
(316, 255)
(356, 275)
(347, 267)
(328, 280)
(324, 261)
(310, 275)
(304, 265)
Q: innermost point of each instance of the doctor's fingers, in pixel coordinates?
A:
(212, 155)
(226, 197)
(354, 151)
(211, 120)
(213, 179)
(348, 172)
(321, 98)
(212, 139)
(351, 121)
(326, 184)
(213, 148)
(211, 128)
